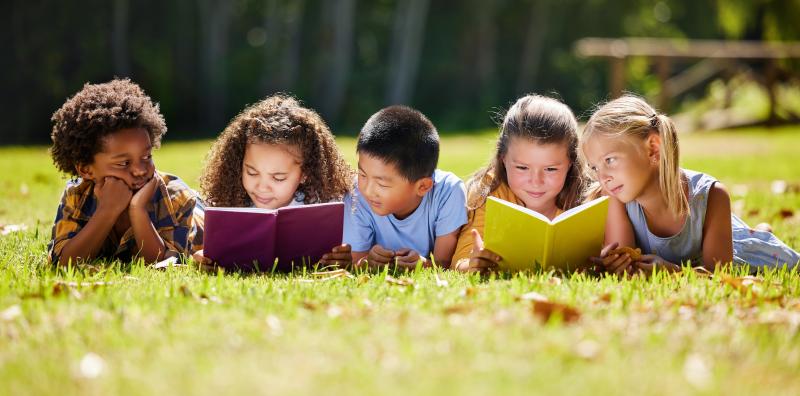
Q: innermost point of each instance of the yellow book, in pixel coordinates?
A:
(526, 239)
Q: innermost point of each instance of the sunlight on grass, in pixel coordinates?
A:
(121, 328)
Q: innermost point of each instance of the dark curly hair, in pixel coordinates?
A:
(95, 112)
(278, 119)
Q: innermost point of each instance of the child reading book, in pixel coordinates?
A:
(404, 209)
(526, 239)
(276, 153)
(118, 205)
(672, 214)
(535, 166)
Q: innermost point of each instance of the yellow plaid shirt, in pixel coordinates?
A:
(176, 211)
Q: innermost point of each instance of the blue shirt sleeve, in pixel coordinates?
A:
(452, 201)
(359, 231)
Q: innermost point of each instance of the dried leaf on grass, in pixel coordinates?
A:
(531, 296)
(203, 298)
(604, 298)
(458, 309)
(786, 213)
(555, 281)
(468, 291)
(324, 276)
(743, 284)
(405, 282)
(61, 288)
(545, 310)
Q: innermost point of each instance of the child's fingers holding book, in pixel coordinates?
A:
(339, 255)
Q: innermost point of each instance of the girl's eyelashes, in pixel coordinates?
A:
(551, 169)
(520, 167)
(123, 164)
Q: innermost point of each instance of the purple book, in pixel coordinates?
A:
(252, 238)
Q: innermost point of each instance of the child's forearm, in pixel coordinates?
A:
(151, 246)
(90, 238)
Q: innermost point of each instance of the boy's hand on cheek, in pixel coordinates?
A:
(142, 197)
(112, 194)
(340, 255)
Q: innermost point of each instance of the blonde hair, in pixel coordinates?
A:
(542, 120)
(631, 116)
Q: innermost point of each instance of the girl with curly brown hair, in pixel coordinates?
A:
(276, 153)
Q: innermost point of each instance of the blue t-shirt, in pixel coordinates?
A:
(442, 211)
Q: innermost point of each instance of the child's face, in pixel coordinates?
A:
(386, 190)
(621, 165)
(536, 172)
(125, 154)
(271, 174)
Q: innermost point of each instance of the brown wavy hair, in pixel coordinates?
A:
(542, 120)
(96, 111)
(278, 119)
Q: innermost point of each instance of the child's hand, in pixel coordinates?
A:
(140, 200)
(407, 258)
(481, 259)
(619, 264)
(378, 256)
(112, 194)
(205, 263)
(340, 255)
(649, 262)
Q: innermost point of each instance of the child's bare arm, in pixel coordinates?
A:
(618, 225)
(717, 231)
(150, 244)
(443, 248)
(113, 196)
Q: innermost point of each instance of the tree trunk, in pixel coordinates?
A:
(119, 39)
(409, 28)
(215, 17)
(532, 51)
(340, 21)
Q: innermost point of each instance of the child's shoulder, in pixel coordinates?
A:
(178, 191)
(446, 178)
(446, 185)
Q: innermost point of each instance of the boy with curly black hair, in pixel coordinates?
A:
(118, 205)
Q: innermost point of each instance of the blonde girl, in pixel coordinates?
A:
(674, 215)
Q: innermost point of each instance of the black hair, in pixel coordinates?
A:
(404, 137)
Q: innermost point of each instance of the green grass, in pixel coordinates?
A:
(182, 331)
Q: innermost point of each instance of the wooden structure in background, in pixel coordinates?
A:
(716, 55)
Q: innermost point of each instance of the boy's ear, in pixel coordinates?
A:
(653, 145)
(422, 186)
(85, 171)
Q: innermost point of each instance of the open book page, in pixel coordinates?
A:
(579, 235)
(526, 239)
(307, 232)
(517, 234)
(240, 239)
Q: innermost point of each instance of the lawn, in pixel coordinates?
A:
(122, 328)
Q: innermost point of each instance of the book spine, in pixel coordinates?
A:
(548, 245)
